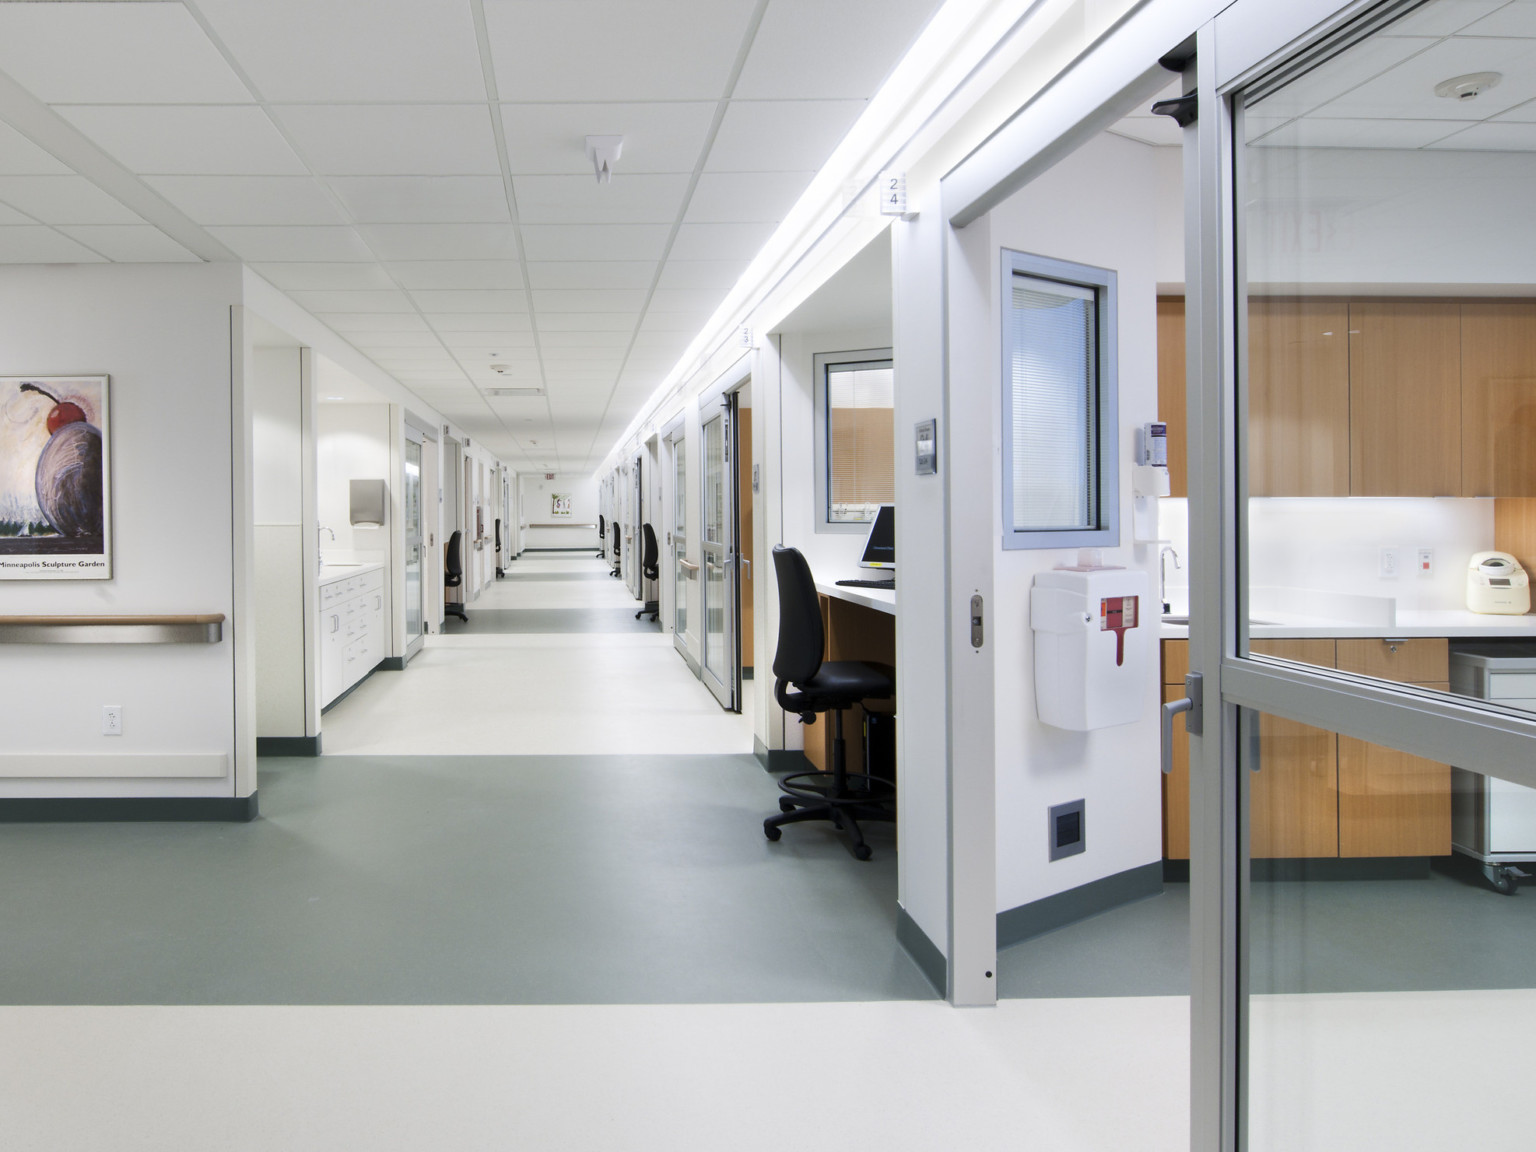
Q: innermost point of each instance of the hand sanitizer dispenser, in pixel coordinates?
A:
(1149, 480)
(1095, 632)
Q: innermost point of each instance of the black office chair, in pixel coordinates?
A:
(614, 571)
(602, 536)
(500, 571)
(453, 576)
(842, 797)
(648, 571)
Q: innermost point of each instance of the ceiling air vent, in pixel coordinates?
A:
(514, 391)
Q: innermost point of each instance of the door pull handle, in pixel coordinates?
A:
(1190, 704)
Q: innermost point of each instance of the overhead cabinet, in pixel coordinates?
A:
(1375, 397)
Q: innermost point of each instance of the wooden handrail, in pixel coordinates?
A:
(199, 628)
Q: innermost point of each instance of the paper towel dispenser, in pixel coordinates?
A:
(1094, 646)
(369, 499)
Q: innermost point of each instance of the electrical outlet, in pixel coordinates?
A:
(1426, 566)
(112, 720)
(1391, 564)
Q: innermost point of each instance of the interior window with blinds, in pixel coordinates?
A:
(857, 413)
(1060, 478)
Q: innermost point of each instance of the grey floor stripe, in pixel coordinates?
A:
(513, 620)
(555, 576)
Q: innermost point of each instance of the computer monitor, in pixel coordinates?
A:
(880, 546)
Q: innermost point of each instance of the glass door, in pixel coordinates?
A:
(721, 667)
(414, 584)
(683, 570)
(1361, 333)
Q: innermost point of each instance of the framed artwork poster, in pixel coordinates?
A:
(560, 504)
(55, 478)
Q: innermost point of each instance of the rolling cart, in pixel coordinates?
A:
(1494, 821)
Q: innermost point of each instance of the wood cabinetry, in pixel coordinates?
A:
(1374, 397)
(1392, 803)
(1405, 398)
(1318, 794)
(1498, 398)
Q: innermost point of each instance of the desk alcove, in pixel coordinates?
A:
(860, 624)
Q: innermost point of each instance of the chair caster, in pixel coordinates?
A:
(786, 804)
(862, 852)
(771, 832)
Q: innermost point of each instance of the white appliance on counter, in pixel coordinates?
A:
(1494, 821)
(1095, 633)
(352, 640)
(1497, 585)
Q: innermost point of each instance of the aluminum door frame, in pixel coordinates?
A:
(727, 688)
(416, 436)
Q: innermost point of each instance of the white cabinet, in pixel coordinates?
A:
(352, 637)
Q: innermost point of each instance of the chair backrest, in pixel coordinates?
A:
(602, 527)
(615, 539)
(801, 640)
(649, 554)
(453, 567)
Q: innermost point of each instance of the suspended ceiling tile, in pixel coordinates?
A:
(321, 50)
(130, 243)
(1498, 136)
(473, 357)
(474, 301)
(731, 197)
(38, 244)
(442, 241)
(1408, 89)
(11, 216)
(249, 199)
(738, 241)
(393, 322)
(1521, 114)
(614, 50)
(1313, 132)
(617, 340)
(586, 300)
(1508, 20)
(508, 343)
(64, 200)
(463, 274)
(1160, 130)
(319, 276)
(114, 53)
(1336, 76)
(171, 139)
(780, 136)
(685, 322)
(588, 321)
(393, 139)
(481, 322)
(689, 300)
(675, 341)
(809, 49)
(595, 241)
(269, 243)
(591, 273)
(423, 199)
(628, 199)
(407, 359)
(1445, 17)
(584, 357)
(719, 275)
(20, 157)
(385, 341)
(549, 139)
(365, 301)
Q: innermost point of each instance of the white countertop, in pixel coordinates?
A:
(329, 573)
(880, 599)
(1457, 624)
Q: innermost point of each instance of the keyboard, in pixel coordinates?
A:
(889, 582)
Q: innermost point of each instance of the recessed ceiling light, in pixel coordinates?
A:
(1468, 87)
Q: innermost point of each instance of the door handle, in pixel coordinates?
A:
(747, 565)
(1194, 685)
(687, 565)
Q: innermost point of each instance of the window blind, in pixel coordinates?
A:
(1054, 390)
(861, 470)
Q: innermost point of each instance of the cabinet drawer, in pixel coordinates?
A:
(1512, 687)
(370, 582)
(1411, 661)
(1302, 651)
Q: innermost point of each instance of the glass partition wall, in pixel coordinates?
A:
(1370, 462)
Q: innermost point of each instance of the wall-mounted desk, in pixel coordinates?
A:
(860, 624)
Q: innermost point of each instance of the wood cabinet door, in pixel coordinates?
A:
(1392, 803)
(1417, 661)
(1298, 398)
(1171, 408)
(1405, 398)
(1498, 398)
(1293, 810)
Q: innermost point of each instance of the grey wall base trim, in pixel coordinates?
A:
(1324, 868)
(924, 952)
(781, 759)
(391, 664)
(114, 809)
(355, 687)
(1041, 916)
(288, 745)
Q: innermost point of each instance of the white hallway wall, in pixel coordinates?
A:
(536, 495)
(163, 334)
